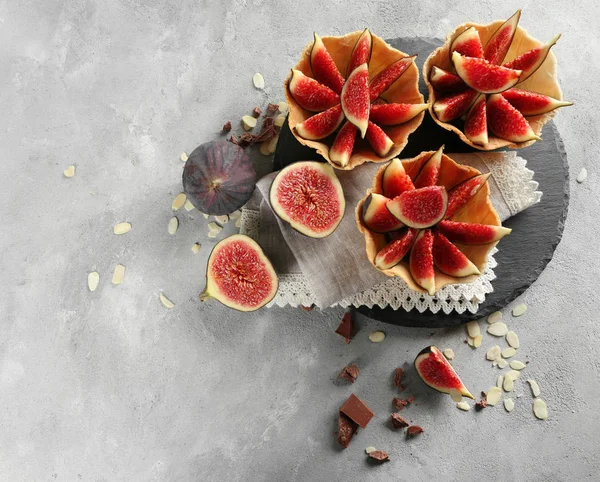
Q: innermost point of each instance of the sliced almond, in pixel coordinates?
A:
(93, 280)
(499, 381)
(512, 339)
(494, 317)
(188, 206)
(118, 274)
(69, 171)
(279, 120)
(514, 374)
(502, 363)
(377, 336)
(539, 409)
(455, 395)
(368, 450)
(463, 406)
(222, 219)
(122, 228)
(497, 329)
(167, 303)
(183, 156)
(248, 122)
(509, 404)
(517, 365)
(205, 216)
(272, 145)
(535, 388)
(493, 353)
(259, 81)
(235, 214)
(264, 148)
(477, 341)
(449, 353)
(519, 309)
(173, 225)
(508, 352)
(470, 341)
(214, 229)
(238, 223)
(283, 107)
(179, 201)
(582, 176)
(473, 329)
(195, 248)
(494, 395)
(508, 384)
(495, 362)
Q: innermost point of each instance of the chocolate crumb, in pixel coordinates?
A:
(271, 109)
(350, 372)
(346, 430)
(399, 421)
(227, 126)
(411, 399)
(346, 327)
(398, 374)
(234, 140)
(307, 308)
(257, 112)
(481, 404)
(399, 403)
(413, 430)
(379, 455)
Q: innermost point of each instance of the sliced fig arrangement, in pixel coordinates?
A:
(436, 372)
(490, 94)
(429, 221)
(347, 111)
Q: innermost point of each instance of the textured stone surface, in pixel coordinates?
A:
(112, 386)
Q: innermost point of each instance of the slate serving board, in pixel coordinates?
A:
(536, 232)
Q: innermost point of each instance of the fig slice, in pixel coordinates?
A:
(421, 261)
(395, 180)
(444, 81)
(429, 173)
(361, 53)
(308, 196)
(321, 125)
(476, 122)
(355, 98)
(310, 94)
(376, 216)
(420, 208)
(470, 233)
(531, 60)
(507, 122)
(239, 275)
(395, 250)
(483, 76)
(379, 140)
(452, 106)
(323, 66)
(436, 372)
(394, 114)
(384, 79)
(468, 44)
(498, 44)
(532, 103)
(460, 194)
(342, 146)
(450, 260)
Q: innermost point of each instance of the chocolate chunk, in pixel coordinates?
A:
(481, 404)
(399, 403)
(271, 109)
(379, 455)
(350, 373)
(411, 399)
(257, 112)
(346, 430)
(234, 140)
(398, 374)
(227, 126)
(356, 410)
(346, 327)
(413, 430)
(398, 421)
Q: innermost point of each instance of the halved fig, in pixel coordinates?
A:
(342, 147)
(379, 140)
(310, 94)
(239, 275)
(507, 122)
(460, 195)
(450, 260)
(308, 196)
(483, 76)
(384, 79)
(469, 233)
(420, 208)
(355, 98)
(395, 250)
(376, 216)
(323, 66)
(361, 54)
(453, 106)
(429, 173)
(476, 122)
(532, 103)
(394, 114)
(444, 81)
(321, 125)
(468, 44)
(421, 261)
(498, 44)
(531, 60)
(436, 371)
(395, 180)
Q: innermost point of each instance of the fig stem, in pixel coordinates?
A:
(204, 295)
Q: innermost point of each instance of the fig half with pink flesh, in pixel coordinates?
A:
(450, 260)
(483, 76)
(323, 66)
(321, 125)
(430, 172)
(355, 98)
(394, 114)
(468, 44)
(376, 215)
(395, 250)
(531, 60)
(420, 208)
(361, 54)
(476, 122)
(444, 81)
(308, 196)
(498, 44)
(507, 122)
(384, 79)
(421, 261)
(532, 103)
(341, 149)
(436, 371)
(239, 275)
(453, 106)
(460, 195)
(310, 94)
(471, 233)
(379, 140)
(395, 180)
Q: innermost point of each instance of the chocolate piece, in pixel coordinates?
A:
(234, 140)
(271, 109)
(379, 455)
(257, 112)
(411, 399)
(399, 403)
(357, 411)
(346, 430)
(481, 404)
(398, 374)
(307, 308)
(413, 430)
(227, 127)
(346, 327)
(350, 373)
(398, 421)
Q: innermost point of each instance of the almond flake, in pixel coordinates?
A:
(259, 81)
(517, 365)
(497, 329)
(69, 171)
(377, 336)
(222, 219)
(183, 156)
(514, 374)
(463, 406)
(509, 404)
(118, 274)
(188, 206)
(455, 395)
(582, 176)
(279, 120)
(535, 388)
(235, 214)
(264, 148)
(508, 352)
(205, 216)
(494, 317)
(238, 223)
(477, 341)
(122, 228)
(512, 339)
(499, 381)
(539, 409)
(508, 384)
(93, 280)
(248, 122)
(519, 309)
(495, 363)
(272, 145)
(173, 225)
(215, 227)
(283, 107)
(493, 353)
(368, 450)
(494, 395)
(473, 329)
(179, 201)
(167, 303)
(195, 248)
(502, 363)
(470, 341)
(449, 353)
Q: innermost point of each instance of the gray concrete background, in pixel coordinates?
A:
(111, 386)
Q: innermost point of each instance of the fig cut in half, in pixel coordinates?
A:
(436, 371)
(239, 275)
(308, 196)
(420, 208)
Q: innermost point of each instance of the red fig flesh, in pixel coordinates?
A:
(384, 79)
(239, 274)
(394, 114)
(467, 233)
(321, 125)
(309, 196)
(507, 122)
(421, 261)
(361, 54)
(420, 208)
(436, 371)
(498, 44)
(460, 195)
(324, 68)
(453, 106)
(376, 216)
(444, 81)
(531, 60)
(379, 140)
(395, 179)
(310, 94)
(395, 250)
(532, 103)
(476, 122)
(355, 98)
(342, 147)
(483, 76)
(429, 173)
(450, 260)
(468, 44)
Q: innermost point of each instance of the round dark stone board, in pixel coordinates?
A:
(536, 231)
